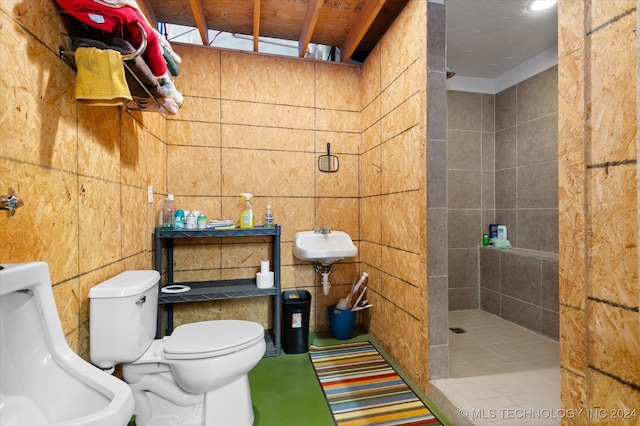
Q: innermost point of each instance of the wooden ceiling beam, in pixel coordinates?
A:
(256, 24)
(309, 25)
(201, 21)
(147, 11)
(359, 29)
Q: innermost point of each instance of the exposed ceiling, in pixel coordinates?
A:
(354, 26)
(485, 38)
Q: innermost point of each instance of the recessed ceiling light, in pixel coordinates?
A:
(538, 5)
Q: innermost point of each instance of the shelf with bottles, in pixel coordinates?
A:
(200, 291)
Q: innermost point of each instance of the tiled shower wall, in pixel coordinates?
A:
(437, 192)
(500, 173)
(526, 162)
(598, 178)
(521, 287)
(470, 190)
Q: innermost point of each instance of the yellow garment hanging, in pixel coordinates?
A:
(100, 79)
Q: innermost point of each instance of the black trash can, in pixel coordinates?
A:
(296, 307)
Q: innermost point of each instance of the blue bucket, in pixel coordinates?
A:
(341, 322)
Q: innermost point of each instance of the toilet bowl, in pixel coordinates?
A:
(43, 381)
(196, 376)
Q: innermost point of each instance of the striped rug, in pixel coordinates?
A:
(363, 389)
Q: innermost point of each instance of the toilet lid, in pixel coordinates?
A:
(212, 338)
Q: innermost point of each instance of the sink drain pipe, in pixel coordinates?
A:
(324, 270)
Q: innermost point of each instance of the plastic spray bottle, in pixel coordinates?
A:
(246, 217)
(268, 217)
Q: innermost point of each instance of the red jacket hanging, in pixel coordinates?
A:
(123, 22)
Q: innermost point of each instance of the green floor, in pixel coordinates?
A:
(286, 392)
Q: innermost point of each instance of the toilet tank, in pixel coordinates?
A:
(122, 318)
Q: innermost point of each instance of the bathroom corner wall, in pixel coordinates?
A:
(257, 123)
(82, 171)
(438, 291)
(470, 190)
(598, 180)
(393, 190)
(526, 162)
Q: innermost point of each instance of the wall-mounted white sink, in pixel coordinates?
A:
(324, 248)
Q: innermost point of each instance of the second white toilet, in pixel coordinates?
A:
(196, 376)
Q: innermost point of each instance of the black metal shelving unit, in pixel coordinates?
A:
(219, 289)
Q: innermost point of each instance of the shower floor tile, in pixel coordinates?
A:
(499, 374)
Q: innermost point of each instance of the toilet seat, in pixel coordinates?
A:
(211, 339)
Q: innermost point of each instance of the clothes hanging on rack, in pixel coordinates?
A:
(146, 81)
(122, 21)
(149, 93)
(100, 80)
(170, 56)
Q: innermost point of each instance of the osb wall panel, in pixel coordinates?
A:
(393, 190)
(611, 403)
(613, 50)
(613, 344)
(614, 251)
(573, 332)
(599, 193)
(573, 395)
(260, 131)
(83, 172)
(572, 205)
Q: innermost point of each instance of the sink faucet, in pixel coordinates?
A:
(324, 230)
(10, 202)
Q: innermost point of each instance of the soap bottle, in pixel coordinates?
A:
(246, 217)
(168, 210)
(268, 217)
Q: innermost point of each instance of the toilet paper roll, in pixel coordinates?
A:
(264, 266)
(264, 280)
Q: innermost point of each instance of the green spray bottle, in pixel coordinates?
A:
(246, 217)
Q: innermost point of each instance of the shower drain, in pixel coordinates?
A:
(458, 330)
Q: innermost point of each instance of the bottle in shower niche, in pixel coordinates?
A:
(268, 217)
(168, 212)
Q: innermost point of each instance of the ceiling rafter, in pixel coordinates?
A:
(309, 25)
(256, 24)
(354, 26)
(148, 12)
(360, 27)
(201, 20)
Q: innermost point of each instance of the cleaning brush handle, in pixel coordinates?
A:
(355, 287)
(355, 305)
(360, 281)
(360, 308)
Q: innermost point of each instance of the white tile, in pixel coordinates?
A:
(498, 368)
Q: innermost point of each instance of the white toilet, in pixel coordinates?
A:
(196, 376)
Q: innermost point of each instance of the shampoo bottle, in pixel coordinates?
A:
(246, 217)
